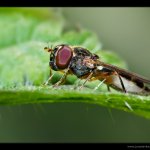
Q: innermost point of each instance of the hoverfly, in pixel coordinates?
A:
(86, 65)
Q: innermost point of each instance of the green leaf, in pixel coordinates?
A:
(139, 105)
(20, 25)
(24, 65)
(83, 38)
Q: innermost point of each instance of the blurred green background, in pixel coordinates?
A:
(123, 30)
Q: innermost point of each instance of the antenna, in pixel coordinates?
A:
(47, 48)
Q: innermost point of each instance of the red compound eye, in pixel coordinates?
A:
(63, 57)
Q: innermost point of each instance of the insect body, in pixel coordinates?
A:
(86, 65)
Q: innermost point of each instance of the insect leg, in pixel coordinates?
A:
(50, 77)
(50, 72)
(108, 88)
(121, 83)
(90, 75)
(99, 85)
(62, 80)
